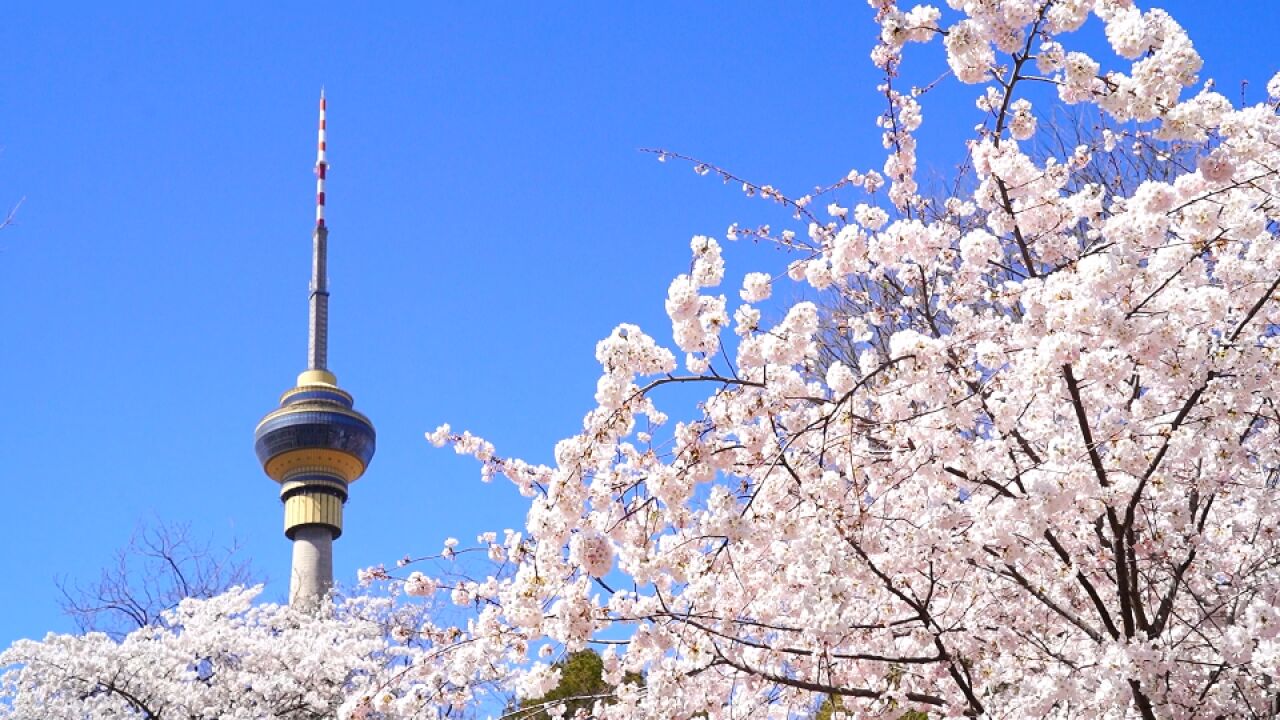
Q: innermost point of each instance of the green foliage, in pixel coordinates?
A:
(827, 711)
(580, 677)
(828, 708)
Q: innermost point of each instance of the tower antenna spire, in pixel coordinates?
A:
(318, 328)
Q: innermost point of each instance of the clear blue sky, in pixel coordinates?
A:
(490, 220)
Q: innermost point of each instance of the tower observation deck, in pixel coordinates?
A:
(315, 444)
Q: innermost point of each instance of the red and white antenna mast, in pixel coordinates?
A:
(318, 335)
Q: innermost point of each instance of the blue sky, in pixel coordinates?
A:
(490, 219)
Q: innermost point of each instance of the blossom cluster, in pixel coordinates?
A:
(225, 657)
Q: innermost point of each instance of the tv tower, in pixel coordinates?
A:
(315, 444)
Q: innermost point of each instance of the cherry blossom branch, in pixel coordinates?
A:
(864, 693)
(768, 192)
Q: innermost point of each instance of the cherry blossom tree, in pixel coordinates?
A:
(221, 657)
(1041, 482)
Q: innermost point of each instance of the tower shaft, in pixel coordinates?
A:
(311, 574)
